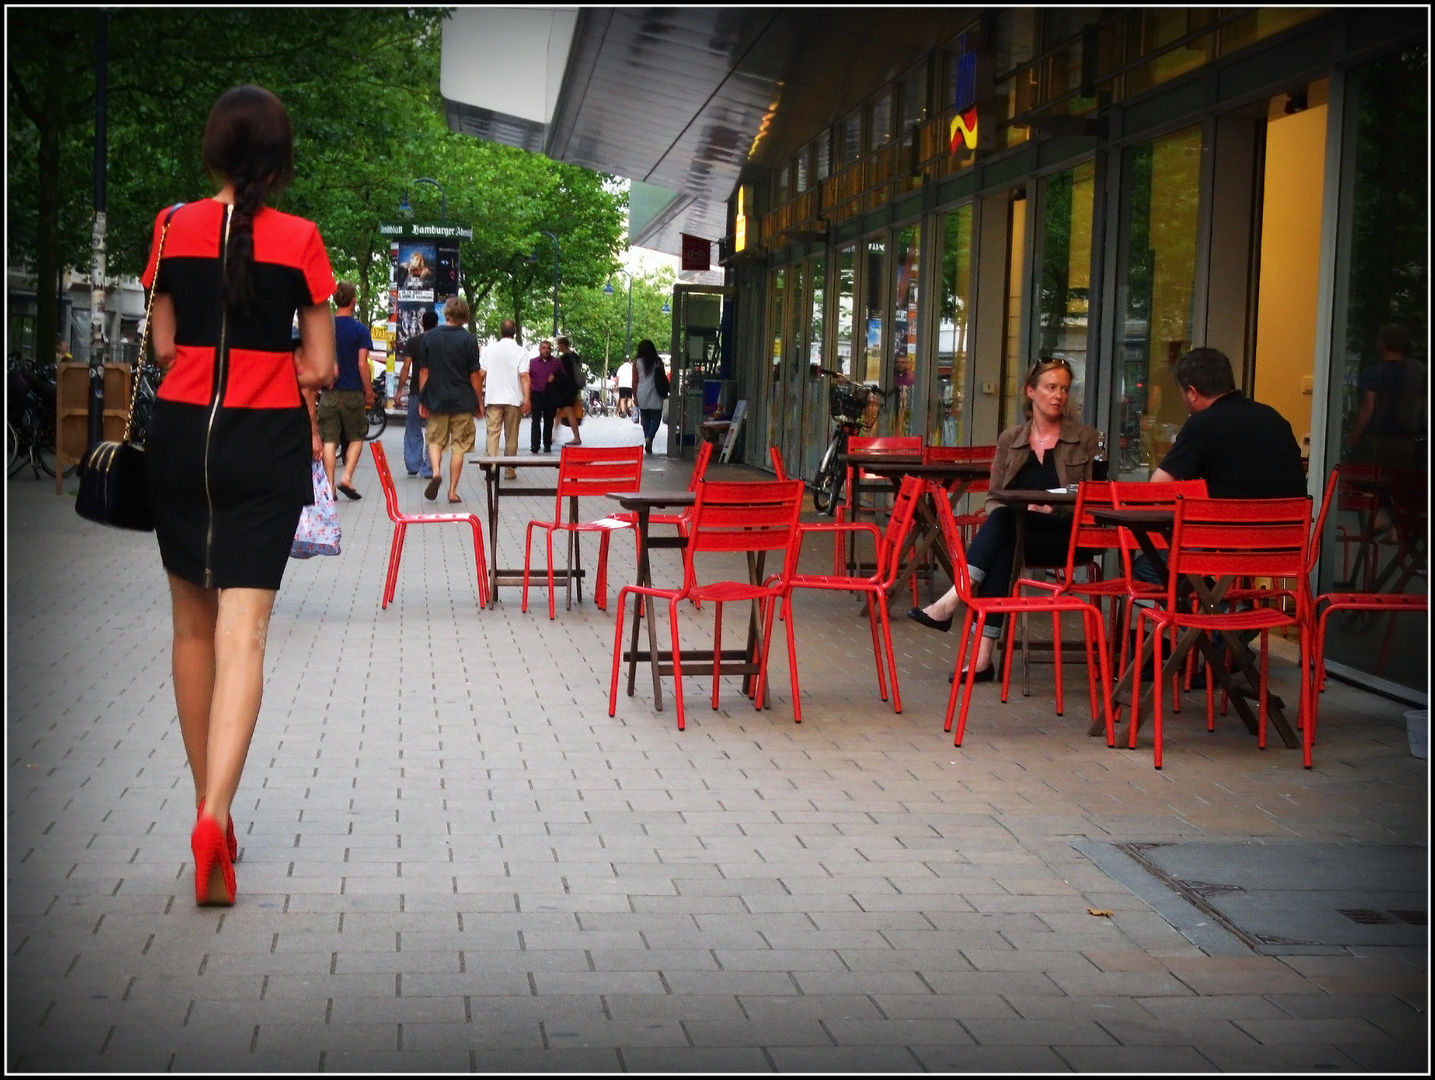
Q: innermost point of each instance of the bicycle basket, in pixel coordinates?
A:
(848, 400)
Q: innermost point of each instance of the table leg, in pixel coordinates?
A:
(491, 492)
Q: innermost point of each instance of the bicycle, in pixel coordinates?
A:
(31, 438)
(848, 402)
(377, 417)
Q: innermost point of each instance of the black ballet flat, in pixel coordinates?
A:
(987, 674)
(920, 616)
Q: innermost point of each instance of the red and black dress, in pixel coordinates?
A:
(228, 448)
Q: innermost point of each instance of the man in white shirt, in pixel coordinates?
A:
(505, 391)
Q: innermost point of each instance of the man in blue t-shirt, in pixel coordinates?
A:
(341, 412)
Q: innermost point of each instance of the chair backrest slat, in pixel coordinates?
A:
(596, 470)
(952, 535)
(1136, 495)
(744, 516)
(386, 480)
(1239, 537)
(899, 523)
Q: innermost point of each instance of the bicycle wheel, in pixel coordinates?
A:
(378, 420)
(824, 487)
(13, 460)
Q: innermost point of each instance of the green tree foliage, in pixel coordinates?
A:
(361, 87)
(598, 322)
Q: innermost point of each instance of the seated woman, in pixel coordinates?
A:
(1050, 450)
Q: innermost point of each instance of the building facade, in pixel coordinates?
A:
(1143, 182)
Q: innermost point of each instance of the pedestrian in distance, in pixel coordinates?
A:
(651, 391)
(450, 395)
(625, 388)
(544, 371)
(228, 447)
(416, 458)
(568, 388)
(342, 408)
(505, 391)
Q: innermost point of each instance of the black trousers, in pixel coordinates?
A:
(544, 410)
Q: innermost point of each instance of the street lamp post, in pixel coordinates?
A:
(627, 356)
(406, 209)
(556, 278)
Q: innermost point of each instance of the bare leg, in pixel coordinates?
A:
(352, 453)
(239, 639)
(331, 455)
(572, 422)
(455, 466)
(195, 612)
(435, 459)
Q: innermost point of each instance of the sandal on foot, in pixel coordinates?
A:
(431, 488)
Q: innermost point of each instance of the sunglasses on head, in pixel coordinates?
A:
(1054, 361)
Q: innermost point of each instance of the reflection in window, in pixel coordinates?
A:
(904, 324)
(852, 138)
(1066, 203)
(822, 155)
(803, 171)
(1159, 271)
(914, 99)
(814, 413)
(871, 370)
(879, 127)
(775, 330)
(1376, 536)
(1013, 355)
(846, 312)
(946, 423)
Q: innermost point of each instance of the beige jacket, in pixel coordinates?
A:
(1075, 450)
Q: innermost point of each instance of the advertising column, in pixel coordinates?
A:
(423, 274)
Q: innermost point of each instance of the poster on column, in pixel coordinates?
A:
(423, 274)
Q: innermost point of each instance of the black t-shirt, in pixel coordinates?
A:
(411, 354)
(1037, 475)
(451, 355)
(1241, 448)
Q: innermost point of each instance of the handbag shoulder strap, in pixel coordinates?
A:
(138, 368)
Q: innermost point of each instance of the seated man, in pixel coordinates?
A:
(1241, 448)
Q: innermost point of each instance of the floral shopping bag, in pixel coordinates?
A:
(318, 532)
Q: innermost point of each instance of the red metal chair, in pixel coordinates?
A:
(975, 454)
(730, 518)
(402, 521)
(1235, 538)
(978, 608)
(889, 543)
(591, 471)
(680, 521)
(859, 481)
(1357, 494)
(778, 469)
(1409, 501)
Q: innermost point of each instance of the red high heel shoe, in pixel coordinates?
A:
(229, 838)
(213, 869)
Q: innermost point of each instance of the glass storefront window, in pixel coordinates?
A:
(914, 98)
(814, 414)
(1375, 536)
(846, 311)
(1157, 279)
(852, 138)
(1064, 286)
(945, 419)
(822, 155)
(775, 332)
(803, 171)
(879, 124)
(1014, 362)
(905, 352)
(872, 312)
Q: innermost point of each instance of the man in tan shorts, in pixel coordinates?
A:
(450, 389)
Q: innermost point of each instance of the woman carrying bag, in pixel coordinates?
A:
(229, 444)
(651, 391)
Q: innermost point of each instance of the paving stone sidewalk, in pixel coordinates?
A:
(453, 860)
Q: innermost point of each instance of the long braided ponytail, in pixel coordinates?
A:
(248, 141)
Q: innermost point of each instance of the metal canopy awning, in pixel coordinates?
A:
(685, 102)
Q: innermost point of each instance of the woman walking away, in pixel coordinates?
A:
(652, 388)
(1050, 450)
(229, 443)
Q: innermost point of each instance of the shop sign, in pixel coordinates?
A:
(411, 231)
(697, 253)
(971, 128)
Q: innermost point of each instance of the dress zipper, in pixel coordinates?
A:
(221, 358)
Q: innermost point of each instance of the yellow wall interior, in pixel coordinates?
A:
(1290, 259)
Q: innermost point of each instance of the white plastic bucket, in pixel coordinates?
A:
(1417, 726)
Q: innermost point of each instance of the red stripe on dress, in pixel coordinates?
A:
(191, 376)
(259, 379)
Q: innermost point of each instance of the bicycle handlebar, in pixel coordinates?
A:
(843, 378)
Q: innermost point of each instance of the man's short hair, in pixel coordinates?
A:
(1394, 338)
(455, 309)
(507, 328)
(1207, 371)
(344, 294)
(430, 319)
(562, 343)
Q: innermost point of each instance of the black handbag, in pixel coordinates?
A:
(112, 479)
